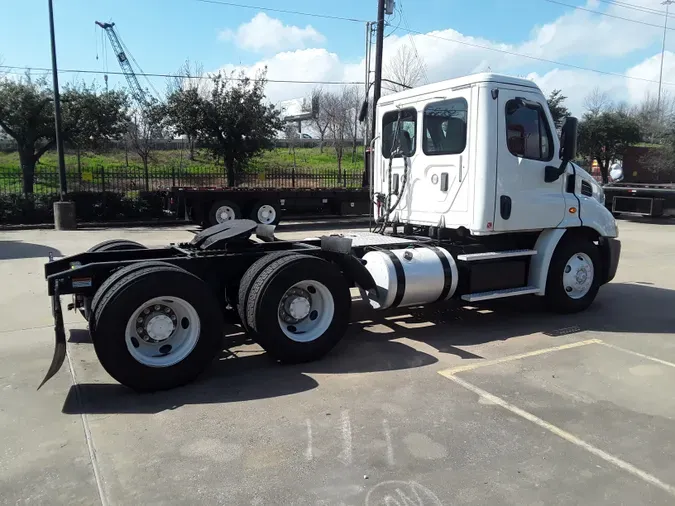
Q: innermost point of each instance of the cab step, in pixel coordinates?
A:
(500, 294)
(493, 255)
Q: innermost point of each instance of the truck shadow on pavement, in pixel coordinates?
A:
(373, 344)
(11, 250)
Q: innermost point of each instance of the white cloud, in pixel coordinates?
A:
(578, 37)
(266, 34)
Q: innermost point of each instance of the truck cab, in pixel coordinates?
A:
(474, 154)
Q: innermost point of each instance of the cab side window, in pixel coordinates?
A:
(445, 127)
(527, 130)
(407, 130)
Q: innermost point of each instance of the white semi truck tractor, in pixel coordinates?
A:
(474, 197)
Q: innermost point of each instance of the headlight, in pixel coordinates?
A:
(598, 193)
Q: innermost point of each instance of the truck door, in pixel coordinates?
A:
(527, 143)
(440, 174)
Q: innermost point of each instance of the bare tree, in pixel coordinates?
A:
(320, 120)
(405, 69)
(337, 107)
(655, 121)
(147, 126)
(597, 101)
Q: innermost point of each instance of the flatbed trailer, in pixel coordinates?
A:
(641, 199)
(208, 206)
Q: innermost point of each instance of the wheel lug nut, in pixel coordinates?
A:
(157, 307)
(139, 330)
(140, 319)
(147, 311)
(167, 310)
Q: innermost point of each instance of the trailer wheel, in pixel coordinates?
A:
(573, 276)
(298, 308)
(222, 211)
(266, 212)
(250, 276)
(116, 245)
(157, 328)
(112, 280)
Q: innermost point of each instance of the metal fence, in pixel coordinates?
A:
(124, 179)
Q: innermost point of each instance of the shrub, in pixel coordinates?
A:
(17, 208)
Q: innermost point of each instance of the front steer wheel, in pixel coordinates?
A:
(157, 328)
(573, 276)
(297, 308)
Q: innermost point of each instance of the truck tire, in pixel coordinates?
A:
(247, 282)
(112, 280)
(573, 277)
(116, 245)
(158, 328)
(266, 212)
(298, 308)
(222, 211)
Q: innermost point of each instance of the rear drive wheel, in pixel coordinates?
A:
(573, 276)
(116, 245)
(112, 280)
(223, 211)
(298, 308)
(247, 282)
(266, 212)
(157, 328)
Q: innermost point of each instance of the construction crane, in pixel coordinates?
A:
(137, 91)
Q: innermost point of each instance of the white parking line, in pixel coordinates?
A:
(510, 358)
(647, 357)
(616, 461)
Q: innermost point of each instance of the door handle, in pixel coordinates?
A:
(444, 182)
(460, 168)
(505, 207)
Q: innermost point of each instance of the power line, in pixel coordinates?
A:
(145, 74)
(284, 11)
(634, 7)
(412, 43)
(536, 58)
(606, 14)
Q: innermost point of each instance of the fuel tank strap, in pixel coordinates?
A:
(400, 277)
(447, 272)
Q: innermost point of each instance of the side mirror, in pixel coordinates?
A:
(363, 113)
(568, 139)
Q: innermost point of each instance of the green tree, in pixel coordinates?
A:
(92, 117)
(184, 98)
(558, 110)
(605, 136)
(185, 115)
(27, 115)
(237, 122)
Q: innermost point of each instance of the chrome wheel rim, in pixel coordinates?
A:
(225, 213)
(306, 311)
(578, 276)
(162, 331)
(266, 214)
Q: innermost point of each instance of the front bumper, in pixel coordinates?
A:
(611, 249)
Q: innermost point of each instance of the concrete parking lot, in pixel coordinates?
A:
(500, 403)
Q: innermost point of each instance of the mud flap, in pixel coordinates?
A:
(60, 338)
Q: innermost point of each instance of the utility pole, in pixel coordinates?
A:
(64, 212)
(667, 3)
(379, 43)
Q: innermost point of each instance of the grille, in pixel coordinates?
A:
(586, 189)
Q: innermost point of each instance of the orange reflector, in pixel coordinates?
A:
(573, 210)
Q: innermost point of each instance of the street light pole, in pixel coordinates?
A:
(64, 212)
(667, 3)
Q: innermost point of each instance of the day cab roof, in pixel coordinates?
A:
(459, 82)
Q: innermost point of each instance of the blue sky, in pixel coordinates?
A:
(161, 34)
